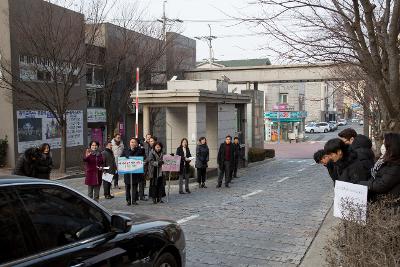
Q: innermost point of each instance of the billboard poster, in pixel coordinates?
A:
(36, 127)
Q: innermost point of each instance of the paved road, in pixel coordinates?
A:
(267, 218)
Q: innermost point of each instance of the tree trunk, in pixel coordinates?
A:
(366, 117)
(63, 154)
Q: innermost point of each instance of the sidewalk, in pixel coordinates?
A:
(72, 172)
(315, 255)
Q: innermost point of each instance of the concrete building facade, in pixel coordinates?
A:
(304, 92)
(27, 61)
(202, 108)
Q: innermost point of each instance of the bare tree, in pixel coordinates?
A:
(134, 44)
(362, 33)
(51, 40)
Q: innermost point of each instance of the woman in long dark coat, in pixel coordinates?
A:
(184, 152)
(44, 164)
(93, 170)
(132, 180)
(202, 158)
(157, 182)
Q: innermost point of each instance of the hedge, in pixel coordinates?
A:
(259, 154)
(3, 151)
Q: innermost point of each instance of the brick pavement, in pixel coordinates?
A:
(268, 217)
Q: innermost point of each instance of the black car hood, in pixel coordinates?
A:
(139, 219)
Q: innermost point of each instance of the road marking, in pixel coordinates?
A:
(301, 170)
(181, 221)
(300, 161)
(252, 194)
(281, 180)
(312, 164)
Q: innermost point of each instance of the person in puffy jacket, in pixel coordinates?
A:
(347, 167)
(385, 178)
(202, 158)
(361, 145)
(26, 163)
(157, 182)
(44, 164)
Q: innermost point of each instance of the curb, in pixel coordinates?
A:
(313, 246)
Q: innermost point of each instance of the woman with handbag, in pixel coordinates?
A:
(157, 182)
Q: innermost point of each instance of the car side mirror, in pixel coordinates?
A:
(120, 224)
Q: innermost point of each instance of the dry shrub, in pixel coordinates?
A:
(374, 243)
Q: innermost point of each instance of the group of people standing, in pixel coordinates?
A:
(350, 158)
(99, 163)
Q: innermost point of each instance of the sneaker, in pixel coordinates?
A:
(128, 203)
(181, 192)
(204, 186)
(188, 191)
(135, 203)
(218, 186)
(227, 186)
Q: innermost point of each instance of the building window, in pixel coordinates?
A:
(95, 76)
(283, 98)
(43, 76)
(95, 98)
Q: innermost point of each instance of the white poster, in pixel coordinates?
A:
(36, 127)
(350, 201)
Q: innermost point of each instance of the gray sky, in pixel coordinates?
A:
(234, 41)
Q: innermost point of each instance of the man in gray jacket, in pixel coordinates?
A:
(147, 150)
(118, 149)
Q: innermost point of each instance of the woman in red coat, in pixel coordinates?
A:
(93, 168)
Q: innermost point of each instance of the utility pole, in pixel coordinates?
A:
(208, 40)
(165, 22)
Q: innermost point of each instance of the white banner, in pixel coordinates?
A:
(350, 201)
(96, 115)
(36, 127)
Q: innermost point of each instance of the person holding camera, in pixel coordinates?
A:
(157, 183)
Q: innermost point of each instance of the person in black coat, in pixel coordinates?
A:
(237, 150)
(225, 161)
(385, 178)
(44, 164)
(184, 152)
(109, 161)
(132, 180)
(26, 162)
(320, 157)
(202, 158)
(361, 145)
(347, 166)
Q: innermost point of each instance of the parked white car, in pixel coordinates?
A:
(342, 122)
(321, 127)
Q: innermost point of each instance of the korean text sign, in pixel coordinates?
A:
(130, 165)
(171, 163)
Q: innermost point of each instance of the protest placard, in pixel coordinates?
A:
(350, 201)
(171, 163)
(130, 165)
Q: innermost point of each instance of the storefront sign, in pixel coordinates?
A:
(130, 165)
(350, 201)
(36, 127)
(283, 107)
(171, 163)
(285, 115)
(96, 115)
